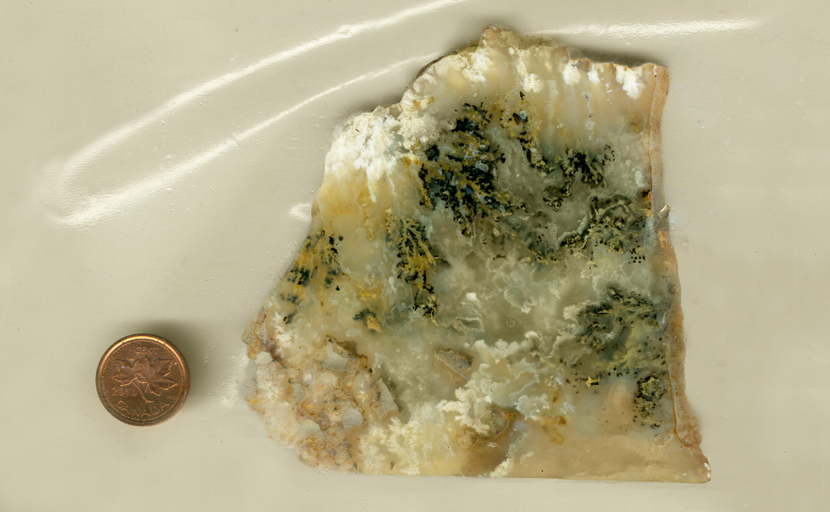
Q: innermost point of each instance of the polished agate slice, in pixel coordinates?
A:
(488, 287)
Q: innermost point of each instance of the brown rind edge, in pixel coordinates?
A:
(687, 426)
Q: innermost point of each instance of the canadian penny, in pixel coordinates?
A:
(142, 379)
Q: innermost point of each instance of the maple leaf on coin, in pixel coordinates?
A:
(126, 373)
(153, 374)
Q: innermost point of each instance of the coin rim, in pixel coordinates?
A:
(99, 378)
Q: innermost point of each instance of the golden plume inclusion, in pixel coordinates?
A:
(487, 287)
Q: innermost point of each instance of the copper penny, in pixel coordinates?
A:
(142, 380)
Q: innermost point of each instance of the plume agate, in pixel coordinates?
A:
(487, 287)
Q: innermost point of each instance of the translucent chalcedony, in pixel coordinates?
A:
(487, 287)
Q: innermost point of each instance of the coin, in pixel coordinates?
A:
(142, 380)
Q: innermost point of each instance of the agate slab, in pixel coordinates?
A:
(488, 287)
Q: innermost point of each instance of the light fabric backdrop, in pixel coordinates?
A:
(157, 162)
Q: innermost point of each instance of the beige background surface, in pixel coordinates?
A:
(158, 160)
